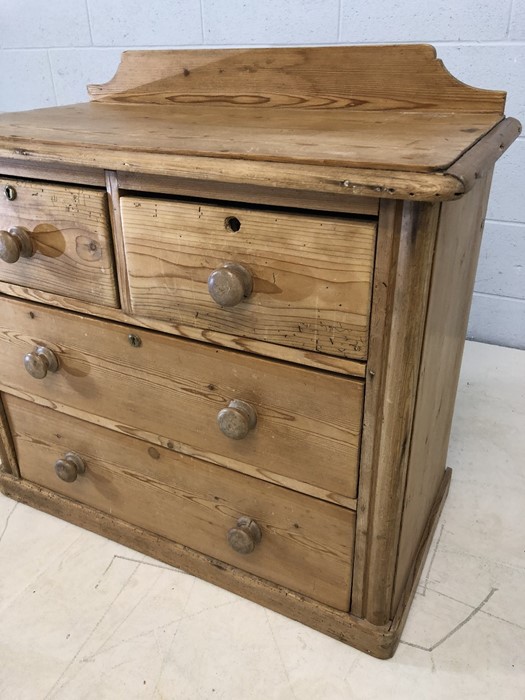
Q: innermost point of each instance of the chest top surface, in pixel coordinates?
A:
(385, 121)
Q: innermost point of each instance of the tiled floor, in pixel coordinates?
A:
(81, 617)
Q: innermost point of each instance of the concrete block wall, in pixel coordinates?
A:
(50, 50)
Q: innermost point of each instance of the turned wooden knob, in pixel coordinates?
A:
(229, 284)
(69, 467)
(245, 536)
(15, 244)
(237, 419)
(40, 361)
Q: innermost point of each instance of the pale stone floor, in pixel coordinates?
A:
(82, 617)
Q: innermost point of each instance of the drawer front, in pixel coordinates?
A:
(308, 279)
(305, 544)
(69, 237)
(170, 390)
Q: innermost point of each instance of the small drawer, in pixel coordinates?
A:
(56, 238)
(286, 537)
(285, 278)
(296, 426)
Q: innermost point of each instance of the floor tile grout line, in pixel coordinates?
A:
(176, 621)
(4, 530)
(466, 620)
(122, 558)
(153, 564)
(431, 563)
(455, 629)
(45, 569)
(462, 552)
(56, 686)
(172, 642)
(469, 605)
(279, 652)
(126, 617)
(445, 595)
(498, 296)
(507, 222)
(502, 619)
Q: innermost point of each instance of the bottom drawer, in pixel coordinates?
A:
(306, 544)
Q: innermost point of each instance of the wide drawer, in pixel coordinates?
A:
(170, 391)
(307, 282)
(305, 544)
(69, 237)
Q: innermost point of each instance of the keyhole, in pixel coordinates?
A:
(232, 224)
(134, 340)
(10, 192)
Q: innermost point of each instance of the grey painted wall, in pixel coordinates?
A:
(50, 50)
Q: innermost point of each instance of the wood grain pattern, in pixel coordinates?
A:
(342, 181)
(376, 640)
(403, 77)
(330, 363)
(58, 173)
(118, 240)
(395, 379)
(453, 273)
(389, 225)
(306, 544)
(311, 274)
(472, 165)
(8, 460)
(308, 423)
(406, 141)
(249, 194)
(70, 230)
(154, 439)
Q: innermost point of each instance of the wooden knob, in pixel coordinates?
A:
(14, 244)
(229, 284)
(237, 419)
(69, 467)
(40, 361)
(245, 536)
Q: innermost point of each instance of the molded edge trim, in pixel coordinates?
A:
(345, 182)
(471, 166)
(9, 464)
(450, 184)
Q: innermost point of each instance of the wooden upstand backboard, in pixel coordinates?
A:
(234, 291)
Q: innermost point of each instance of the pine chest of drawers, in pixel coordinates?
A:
(234, 293)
